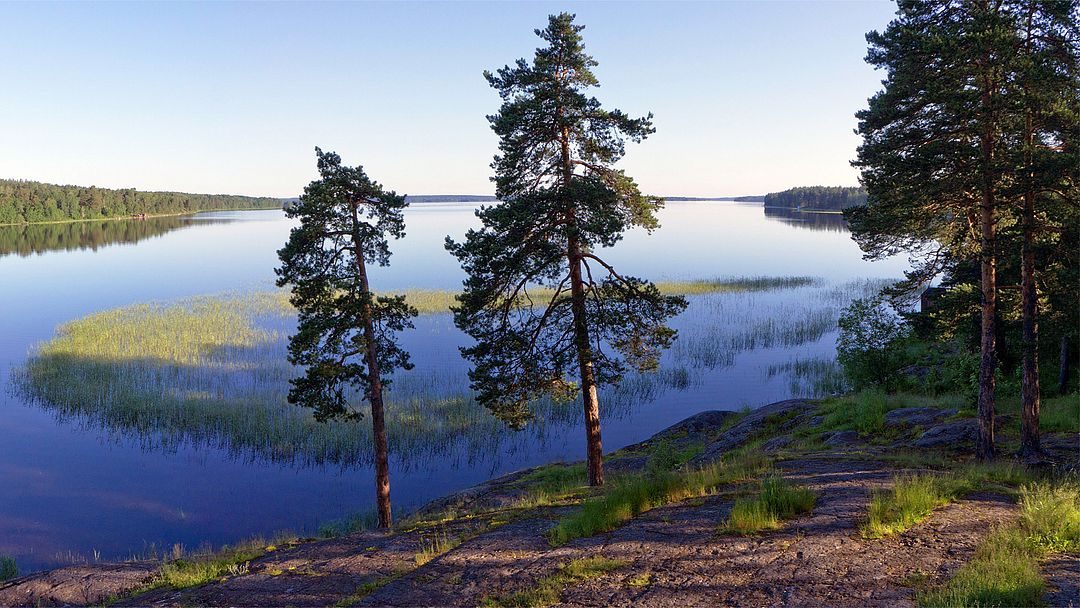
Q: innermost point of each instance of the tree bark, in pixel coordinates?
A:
(984, 449)
(375, 397)
(594, 446)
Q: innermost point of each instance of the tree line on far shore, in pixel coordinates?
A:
(817, 198)
(23, 202)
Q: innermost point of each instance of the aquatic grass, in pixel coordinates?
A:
(813, 377)
(775, 501)
(1005, 568)
(213, 371)
(549, 589)
(631, 495)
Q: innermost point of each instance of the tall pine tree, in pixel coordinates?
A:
(346, 334)
(1044, 84)
(541, 303)
(932, 154)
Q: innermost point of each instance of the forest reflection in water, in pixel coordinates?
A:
(33, 239)
(811, 220)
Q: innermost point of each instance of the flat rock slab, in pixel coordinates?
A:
(1063, 580)
(819, 560)
(76, 585)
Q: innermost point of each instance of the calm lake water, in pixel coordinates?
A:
(74, 491)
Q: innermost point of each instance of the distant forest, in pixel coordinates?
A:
(817, 198)
(28, 202)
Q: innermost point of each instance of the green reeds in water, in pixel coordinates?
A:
(214, 371)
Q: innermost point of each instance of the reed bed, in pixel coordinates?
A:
(213, 371)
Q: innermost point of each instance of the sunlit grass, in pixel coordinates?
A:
(632, 495)
(1005, 568)
(775, 501)
(184, 571)
(914, 497)
(908, 502)
(433, 546)
(548, 590)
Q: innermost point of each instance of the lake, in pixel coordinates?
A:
(75, 489)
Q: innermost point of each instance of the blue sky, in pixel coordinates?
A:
(748, 97)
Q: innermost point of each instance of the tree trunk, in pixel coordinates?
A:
(1063, 366)
(375, 398)
(593, 442)
(1030, 448)
(984, 449)
(594, 445)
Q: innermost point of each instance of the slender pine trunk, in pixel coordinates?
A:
(375, 397)
(984, 449)
(594, 444)
(1030, 447)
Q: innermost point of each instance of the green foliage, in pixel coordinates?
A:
(1005, 568)
(869, 345)
(26, 201)
(548, 590)
(817, 198)
(776, 500)
(344, 329)
(561, 203)
(630, 496)
(8, 568)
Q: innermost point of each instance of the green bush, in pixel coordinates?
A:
(870, 346)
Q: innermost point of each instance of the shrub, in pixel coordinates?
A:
(870, 344)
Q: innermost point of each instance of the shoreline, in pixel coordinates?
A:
(406, 563)
(145, 217)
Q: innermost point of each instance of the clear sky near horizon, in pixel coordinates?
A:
(748, 97)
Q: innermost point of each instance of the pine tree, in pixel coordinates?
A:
(539, 300)
(1047, 78)
(933, 150)
(345, 338)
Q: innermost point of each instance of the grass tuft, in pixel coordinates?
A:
(1005, 568)
(776, 501)
(434, 546)
(548, 590)
(630, 496)
(8, 568)
(911, 500)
